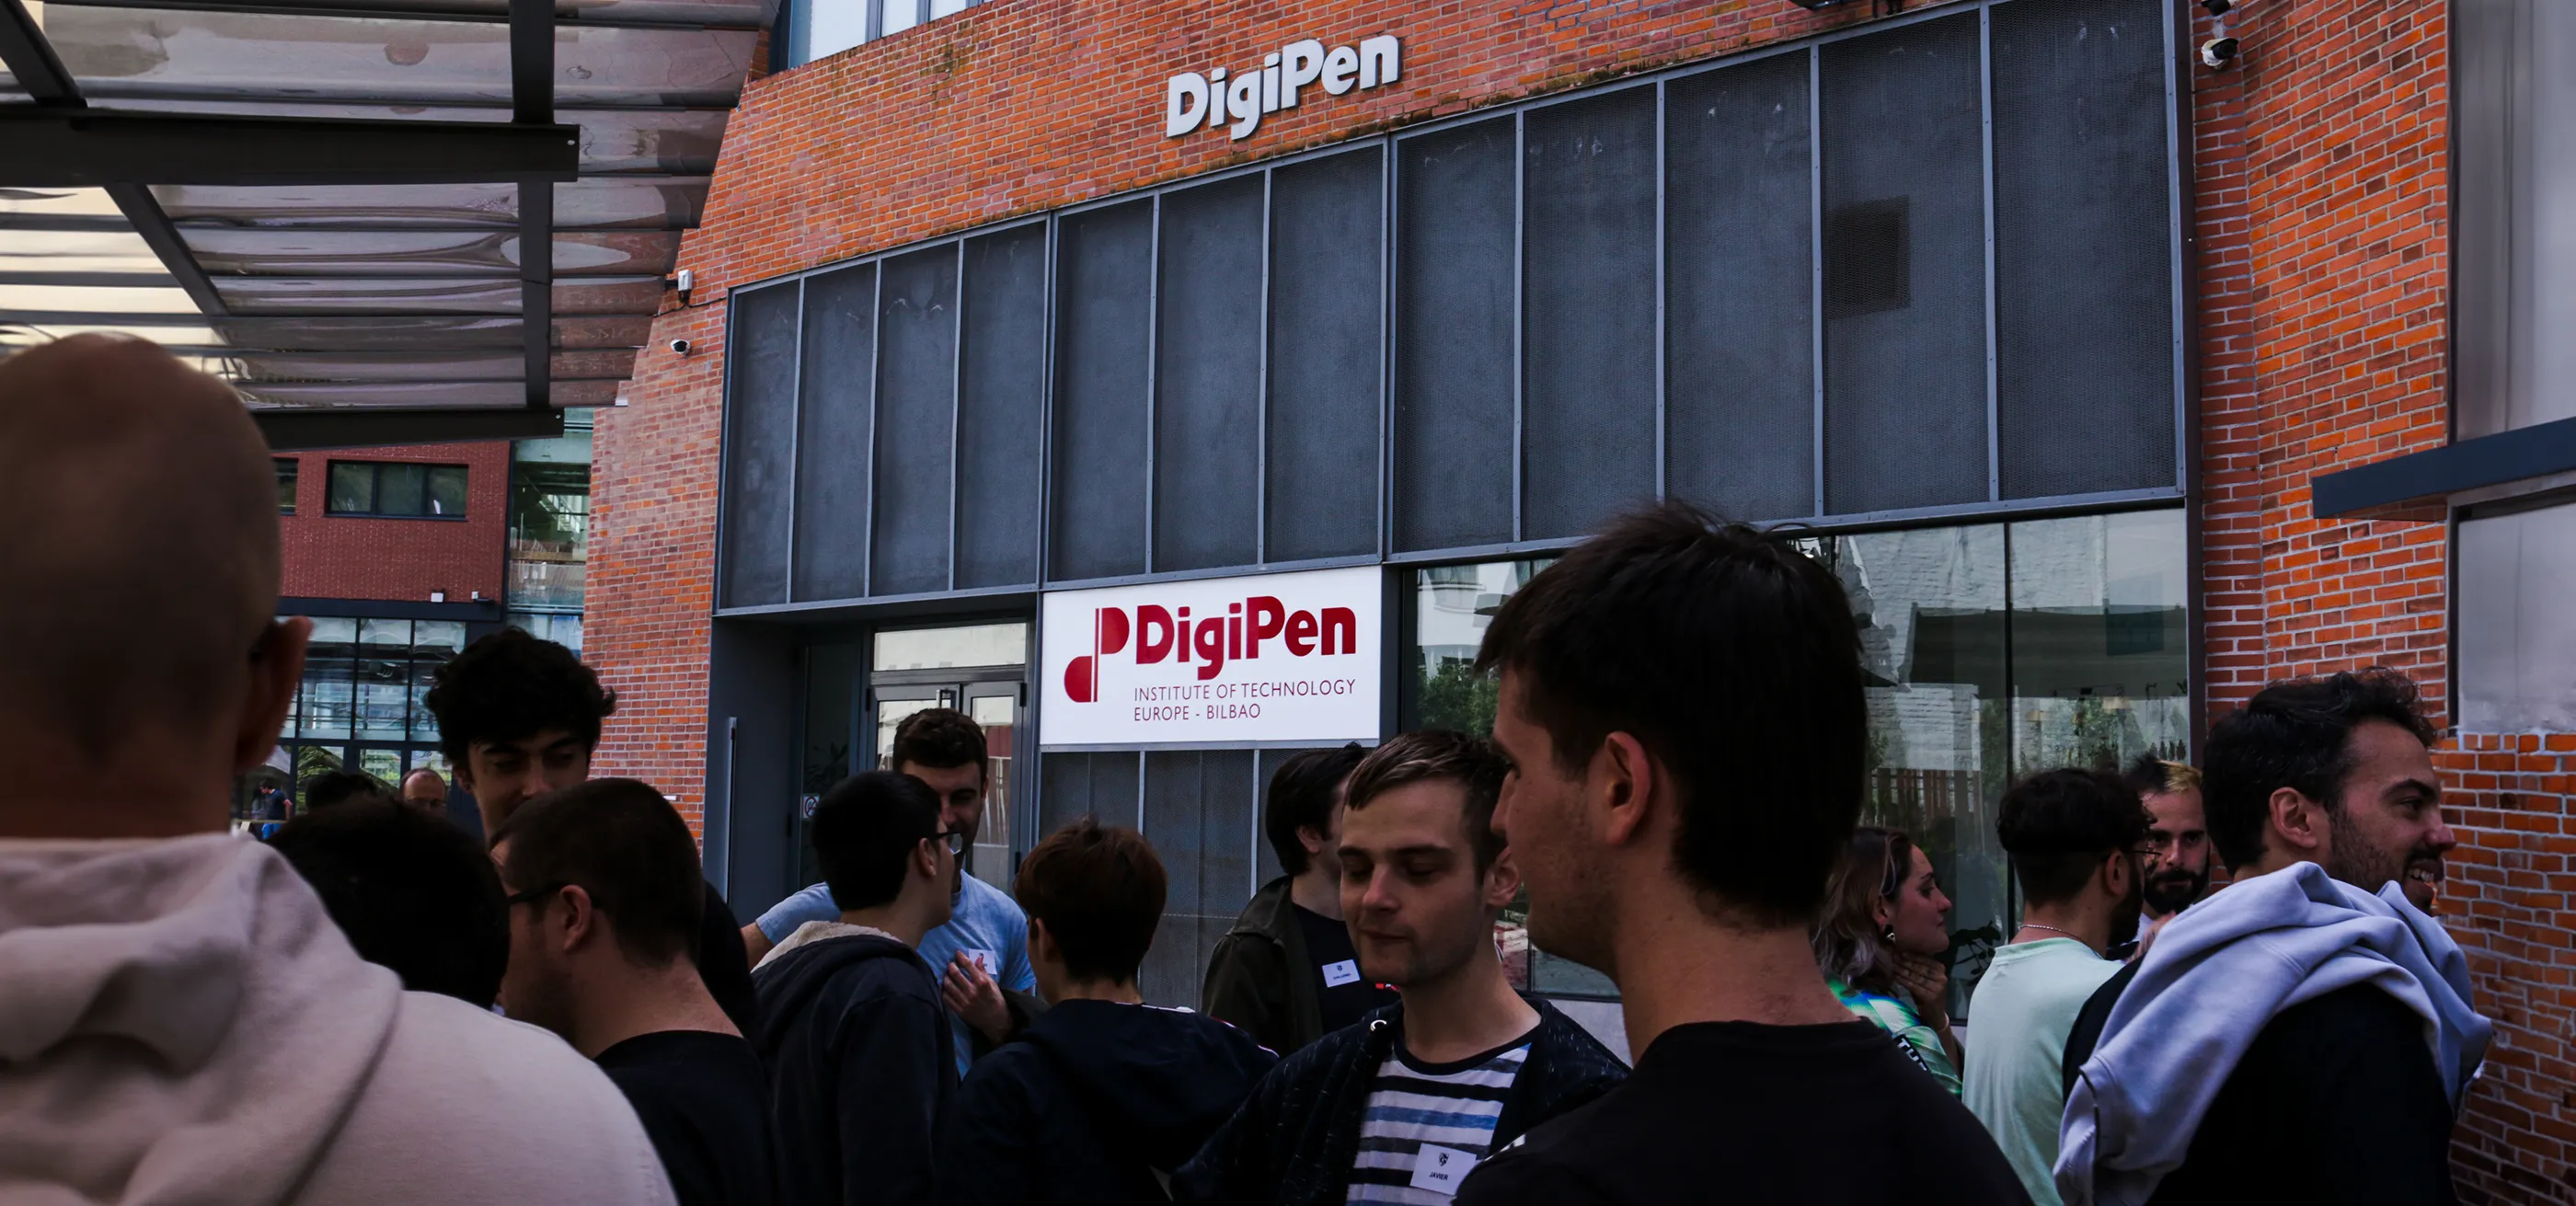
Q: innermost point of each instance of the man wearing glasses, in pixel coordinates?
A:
(853, 1033)
(2177, 848)
(2074, 838)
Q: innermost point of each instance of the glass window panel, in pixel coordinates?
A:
(382, 638)
(2514, 87)
(759, 432)
(998, 716)
(917, 414)
(1207, 385)
(823, 28)
(898, 15)
(1454, 355)
(549, 533)
(287, 467)
(941, 648)
(834, 422)
(447, 490)
(437, 639)
(330, 667)
(402, 489)
(353, 488)
(1931, 604)
(830, 722)
(1589, 311)
(1905, 277)
(1740, 399)
(1001, 404)
(942, 8)
(1103, 347)
(1327, 356)
(2100, 667)
(2084, 354)
(1452, 605)
(2515, 634)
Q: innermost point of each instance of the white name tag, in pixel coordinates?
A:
(1440, 1169)
(1344, 972)
(985, 960)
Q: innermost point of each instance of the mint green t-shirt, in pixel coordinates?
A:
(2018, 1021)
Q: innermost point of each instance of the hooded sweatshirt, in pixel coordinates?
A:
(1097, 1102)
(855, 1040)
(180, 1022)
(2216, 978)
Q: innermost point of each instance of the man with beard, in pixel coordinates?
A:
(2306, 1034)
(2072, 836)
(2176, 859)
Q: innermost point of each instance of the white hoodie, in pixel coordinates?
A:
(180, 1022)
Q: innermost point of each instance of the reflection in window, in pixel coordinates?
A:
(819, 29)
(562, 628)
(396, 489)
(2515, 635)
(549, 527)
(287, 467)
(941, 648)
(1452, 604)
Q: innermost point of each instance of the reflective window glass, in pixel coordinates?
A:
(397, 489)
(286, 471)
(400, 489)
(934, 648)
(2515, 635)
(353, 489)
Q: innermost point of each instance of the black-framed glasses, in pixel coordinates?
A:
(954, 839)
(533, 895)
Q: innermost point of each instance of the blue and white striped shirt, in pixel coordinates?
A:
(1410, 1104)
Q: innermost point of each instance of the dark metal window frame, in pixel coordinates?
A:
(375, 490)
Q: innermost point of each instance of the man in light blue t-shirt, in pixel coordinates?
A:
(984, 947)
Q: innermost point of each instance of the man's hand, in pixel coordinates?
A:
(972, 995)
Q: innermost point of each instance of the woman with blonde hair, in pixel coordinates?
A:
(1879, 944)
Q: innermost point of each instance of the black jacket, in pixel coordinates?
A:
(1249, 981)
(1091, 1102)
(1295, 1139)
(855, 1042)
(725, 964)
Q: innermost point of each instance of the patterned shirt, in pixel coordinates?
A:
(1898, 1018)
(1451, 1108)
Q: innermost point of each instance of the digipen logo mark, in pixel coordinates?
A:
(1082, 674)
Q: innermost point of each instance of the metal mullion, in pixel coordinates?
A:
(1390, 159)
(30, 57)
(1986, 134)
(1816, 256)
(1045, 568)
(795, 438)
(1662, 321)
(1520, 314)
(876, 419)
(1261, 416)
(1153, 374)
(532, 102)
(956, 404)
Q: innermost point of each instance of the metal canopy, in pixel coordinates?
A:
(326, 202)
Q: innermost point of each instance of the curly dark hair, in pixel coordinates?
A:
(509, 686)
(938, 738)
(2298, 735)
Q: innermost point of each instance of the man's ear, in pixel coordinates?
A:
(1042, 948)
(1502, 880)
(1312, 839)
(581, 916)
(1623, 789)
(2115, 873)
(275, 670)
(2299, 822)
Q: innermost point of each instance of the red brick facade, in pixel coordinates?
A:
(2321, 254)
(352, 557)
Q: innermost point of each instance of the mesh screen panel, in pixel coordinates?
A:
(758, 436)
(1739, 291)
(1905, 277)
(917, 413)
(1327, 352)
(1588, 326)
(1001, 405)
(2083, 253)
(838, 394)
(1072, 784)
(1198, 815)
(1105, 277)
(1454, 362)
(1207, 381)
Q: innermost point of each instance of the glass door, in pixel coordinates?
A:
(996, 707)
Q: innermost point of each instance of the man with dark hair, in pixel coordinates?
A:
(1287, 973)
(2177, 849)
(519, 716)
(2307, 1033)
(2073, 837)
(1403, 1106)
(983, 947)
(412, 892)
(1103, 1096)
(853, 1032)
(604, 904)
(1682, 705)
(331, 789)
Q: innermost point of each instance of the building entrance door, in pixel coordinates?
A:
(993, 702)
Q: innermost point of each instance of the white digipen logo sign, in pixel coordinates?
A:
(1192, 100)
(1278, 657)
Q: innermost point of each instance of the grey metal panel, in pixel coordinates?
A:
(1001, 407)
(752, 683)
(759, 436)
(1197, 813)
(1456, 314)
(916, 422)
(1207, 377)
(1588, 314)
(1104, 332)
(1327, 355)
(835, 421)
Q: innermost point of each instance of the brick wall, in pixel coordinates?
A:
(348, 557)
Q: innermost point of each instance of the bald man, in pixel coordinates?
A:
(424, 790)
(178, 1017)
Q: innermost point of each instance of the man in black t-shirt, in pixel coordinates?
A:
(604, 912)
(1286, 974)
(1682, 705)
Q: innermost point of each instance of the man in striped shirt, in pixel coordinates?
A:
(1400, 1107)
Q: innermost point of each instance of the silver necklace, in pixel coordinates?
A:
(2033, 925)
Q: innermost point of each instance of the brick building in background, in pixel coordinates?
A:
(2114, 384)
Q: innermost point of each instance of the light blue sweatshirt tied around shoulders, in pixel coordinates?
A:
(2214, 978)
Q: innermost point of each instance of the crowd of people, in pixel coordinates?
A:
(375, 1004)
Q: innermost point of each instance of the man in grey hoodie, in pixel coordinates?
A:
(2306, 1034)
(179, 1019)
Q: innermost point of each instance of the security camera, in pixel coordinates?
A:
(680, 346)
(2217, 51)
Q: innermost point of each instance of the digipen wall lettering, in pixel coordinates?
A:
(1235, 102)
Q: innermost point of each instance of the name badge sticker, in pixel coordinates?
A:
(1440, 1169)
(984, 959)
(1345, 972)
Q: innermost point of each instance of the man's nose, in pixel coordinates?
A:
(2441, 839)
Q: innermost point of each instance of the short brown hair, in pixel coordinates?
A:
(941, 739)
(1439, 755)
(1099, 889)
(620, 841)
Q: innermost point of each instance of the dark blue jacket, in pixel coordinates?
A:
(1091, 1102)
(856, 1045)
(1295, 1139)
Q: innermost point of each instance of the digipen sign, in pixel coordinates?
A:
(1191, 100)
(1279, 657)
